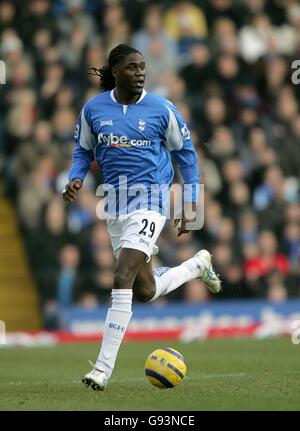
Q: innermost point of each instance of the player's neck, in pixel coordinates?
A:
(125, 98)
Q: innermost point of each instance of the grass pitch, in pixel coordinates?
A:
(222, 375)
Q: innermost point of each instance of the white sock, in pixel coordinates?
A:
(117, 320)
(169, 279)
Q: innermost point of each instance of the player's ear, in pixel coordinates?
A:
(114, 72)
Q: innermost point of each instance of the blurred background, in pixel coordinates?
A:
(226, 64)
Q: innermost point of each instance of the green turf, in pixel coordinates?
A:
(222, 375)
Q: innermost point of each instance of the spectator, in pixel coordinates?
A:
(195, 291)
(116, 27)
(199, 68)
(224, 37)
(159, 49)
(234, 11)
(291, 239)
(7, 15)
(268, 260)
(68, 272)
(248, 227)
(186, 23)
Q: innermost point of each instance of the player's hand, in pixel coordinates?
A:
(70, 191)
(182, 226)
(187, 217)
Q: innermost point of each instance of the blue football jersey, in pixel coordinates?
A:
(132, 144)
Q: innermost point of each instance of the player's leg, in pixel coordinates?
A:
(144, 284)
(133, 238)
(149, 284)
(118, 317)
(134, 272)
(137, 237)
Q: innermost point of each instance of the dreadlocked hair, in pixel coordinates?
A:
(107, 81)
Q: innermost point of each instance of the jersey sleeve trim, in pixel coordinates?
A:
(173, 135)
(86, 137)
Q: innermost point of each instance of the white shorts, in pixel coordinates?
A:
(138, 230)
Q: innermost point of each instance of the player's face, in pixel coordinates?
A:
(130, 75)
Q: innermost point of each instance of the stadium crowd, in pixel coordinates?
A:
(227, 65)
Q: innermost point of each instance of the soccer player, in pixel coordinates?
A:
(132, 133)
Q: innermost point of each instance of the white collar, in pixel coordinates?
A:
(112, 95)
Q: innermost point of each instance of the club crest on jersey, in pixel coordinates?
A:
(185, 132)
(142, 124)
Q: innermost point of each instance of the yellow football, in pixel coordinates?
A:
(165, 368)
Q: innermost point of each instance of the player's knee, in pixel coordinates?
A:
(143, 294)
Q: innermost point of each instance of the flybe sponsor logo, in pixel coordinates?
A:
(116, 326)
(112, 140)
